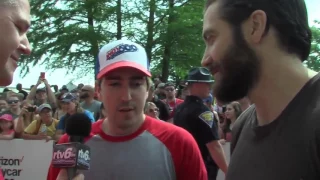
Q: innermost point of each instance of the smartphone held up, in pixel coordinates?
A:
(42, 75)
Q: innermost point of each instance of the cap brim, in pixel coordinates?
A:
(5, 119)
(205, 81)
(44, 108)
(123, 64)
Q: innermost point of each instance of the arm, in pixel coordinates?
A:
(58, 135)
(217, 153)
(192, 167)
(56, 114)
(9, 136)
(220, 132)
(60, 129)
(33, 137)
(19, 122)
(32, 92)
(30, 130)
(18, 126)
(208, 133)
(50, 94)
(185, 153)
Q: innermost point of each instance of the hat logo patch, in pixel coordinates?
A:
(120, 49)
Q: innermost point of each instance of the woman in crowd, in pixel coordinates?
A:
(59, 111)
(14, 106)
(233, 111)
(70, 103)
(6, 127)
(151, 110)
(44, 127)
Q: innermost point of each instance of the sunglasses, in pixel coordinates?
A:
(13, 102)
(45, 111)
(68, 96)
(153, 110)
(169, 89)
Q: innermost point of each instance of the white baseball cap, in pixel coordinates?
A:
(122, 53)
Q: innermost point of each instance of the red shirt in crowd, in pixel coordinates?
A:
(173, 105)
(1, 176)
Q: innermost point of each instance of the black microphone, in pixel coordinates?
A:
(74, 155)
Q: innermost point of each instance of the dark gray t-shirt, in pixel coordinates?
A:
(94, 107)
(286, 149)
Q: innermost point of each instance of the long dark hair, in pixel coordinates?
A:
(237, 110)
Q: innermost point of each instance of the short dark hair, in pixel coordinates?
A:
(288, 17)
(169, 84)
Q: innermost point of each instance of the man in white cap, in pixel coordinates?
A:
(14, 23)
(130, 145)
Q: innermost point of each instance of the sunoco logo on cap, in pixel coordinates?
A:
(120, 49)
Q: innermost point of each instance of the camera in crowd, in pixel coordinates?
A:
(31, 109)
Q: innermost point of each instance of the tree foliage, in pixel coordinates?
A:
(68, 34)
(313, 61)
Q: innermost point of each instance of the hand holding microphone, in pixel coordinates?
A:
(63, 175)
(75, 154)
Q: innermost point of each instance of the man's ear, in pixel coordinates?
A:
(98, 89)
(257, 24)
(147, 95)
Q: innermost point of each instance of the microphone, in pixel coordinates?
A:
(74, 155)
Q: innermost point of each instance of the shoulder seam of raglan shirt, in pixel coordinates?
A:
(174, 131)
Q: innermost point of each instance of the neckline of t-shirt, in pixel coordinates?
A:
(297, 99)
(142, 128)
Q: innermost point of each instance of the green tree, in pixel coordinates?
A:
(68, 34)
(313, 61)
(180, 44)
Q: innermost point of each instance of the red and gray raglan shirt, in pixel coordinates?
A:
(156, 151)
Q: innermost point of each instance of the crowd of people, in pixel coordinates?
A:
(145, 129)
(40, 113)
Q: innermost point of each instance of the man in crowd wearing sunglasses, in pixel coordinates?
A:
(88, 102)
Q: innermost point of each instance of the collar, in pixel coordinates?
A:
(192, 98)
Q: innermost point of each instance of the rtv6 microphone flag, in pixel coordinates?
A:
(74, 155)
(71, 155)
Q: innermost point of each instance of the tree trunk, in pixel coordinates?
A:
(119, 20)
(167, 45)
(94, 42)
(150, 29)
